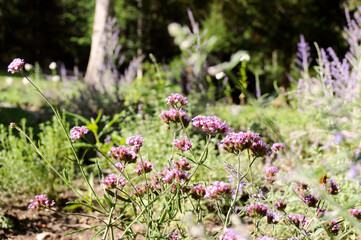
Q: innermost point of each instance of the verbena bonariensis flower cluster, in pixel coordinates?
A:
(16, 65)
(41, 201)
(156, 200)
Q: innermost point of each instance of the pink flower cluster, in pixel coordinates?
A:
(218, 189)
(333, 226)
(230, 234)
(173, 235)
(271, 173)
(211, 124)
(176, 99)
(120, 166)
(141, 190)
(273, 217)
(198, 191)
(355, 212)
(135, 141)
(266, 238)
(238, 142)
(174, 174)
(77, 132)
(123, 153)
(112, 181)
(256, 210)
(144, 166)
(311, 200)
(182, 144)
(299, 220)
(16, 65)
(40, 201)
(276, 147)
(183, 164)
(333, 188)
(280, 205)
(175, 116)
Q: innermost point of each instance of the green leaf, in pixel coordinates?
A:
(86, 205)
(77, 116)
(81, 230)
(66, 175)
(118, 197)
(92, 127)
(99, 169)
(99, 116)
(109, 202)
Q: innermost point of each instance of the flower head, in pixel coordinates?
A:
(182, 144)
(218, 189)
(135, 141)
(112, 181)
(211, 124)
(40, 201)
(266, 238)
(78, 132)
(16, 65)
(182, 164)
(174, 174)
(12, 125)
(230, 234)
(280, 205)
(144, 166)
(271, 173)
(198, 191)
(120, 166)
(355, 212)
(277, 147)
(123, 153)
(256, 210)
(333, 188)
(175, 116)
(299, 220)
(175, 99)
(333, 226)
(311, 200)
(273, 217)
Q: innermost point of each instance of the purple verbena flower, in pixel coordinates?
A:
(260, 149)
(198, 191)
(123, 153)
(280, 205)
(218, 189)
(175, 116)
(173, 235)
(12, 125)
(276, 147)
(143, 166)
(355, 212)
(301, 188)
(176, 100)
(120, 166)
(183, 164)
(321, 211)
(230, 234)
(211, 124)
(266, 238)
(311, 200)
(40, 201)
(16, 65)
(256, 210)
(174, 174)
(333, 226)
(271, 173)
(333, 188)
(135, 141)
(273, 217)
(182, 144)
(77, 132)
(112, 181)
(299, 220)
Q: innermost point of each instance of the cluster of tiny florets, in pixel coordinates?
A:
(135, 141)
(78, 132)
(311, 200)
(355, 212)
(112, 181)
(123, 153)
(280, 205)
(277, 147)
(41, 201)
(16, 65)
(182, 144)
(198, 191)
(230, 234)
(175, 116)
(182, 164)
(256, 209)
(298, 219)
(240, 141)
(211, 124)
(271, 173)
(144, 166)
(173, 235)
(176, 100)
(333, 187)
(333, 226)
(273, 217)
(120, 166)
(174, 174)
(218, 189)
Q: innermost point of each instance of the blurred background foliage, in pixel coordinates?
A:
(45, 31)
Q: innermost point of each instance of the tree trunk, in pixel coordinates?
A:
(103, 10)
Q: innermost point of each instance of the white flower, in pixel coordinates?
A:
(25, 81)
(55, 78)
(52, 66)
(245, 57)
(9, 80)
(220, 75)
(28, 66)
